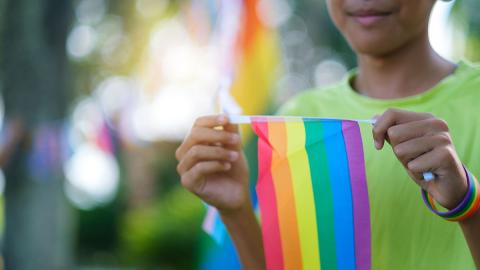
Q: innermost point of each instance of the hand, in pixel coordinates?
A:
(212, 164)
(422, 143)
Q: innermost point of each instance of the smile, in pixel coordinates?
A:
(369, 18)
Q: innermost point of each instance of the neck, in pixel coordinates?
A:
(410, 70)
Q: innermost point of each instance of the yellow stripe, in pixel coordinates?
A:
(304, 201)
(282, 180)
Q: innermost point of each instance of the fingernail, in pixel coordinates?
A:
(221, 119)
(377, 145)
(233, 155)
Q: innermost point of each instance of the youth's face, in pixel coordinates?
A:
(379, 27)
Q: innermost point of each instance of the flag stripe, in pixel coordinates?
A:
(322, 193)
(302, 188)
(267, 200)
(283, 186)
(313, 194)
(342, 194)
(361, 205)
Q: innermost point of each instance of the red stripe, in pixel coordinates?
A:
(267, 200)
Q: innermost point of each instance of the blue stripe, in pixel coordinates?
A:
(219, 230)
(221, 256)
(342, 194)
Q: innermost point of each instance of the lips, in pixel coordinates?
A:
(369, 17)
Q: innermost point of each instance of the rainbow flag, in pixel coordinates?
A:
(312, 192)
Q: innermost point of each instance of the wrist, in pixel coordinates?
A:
(472, 220)
(239, 213)
(466, 208)
(459, 193)
(245, 231)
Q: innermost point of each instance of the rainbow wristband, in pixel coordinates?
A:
(466, 208)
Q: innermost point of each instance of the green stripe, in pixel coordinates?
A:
(322, 191)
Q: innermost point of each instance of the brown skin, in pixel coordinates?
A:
(390, 38)
(213, 167)
(422, 143)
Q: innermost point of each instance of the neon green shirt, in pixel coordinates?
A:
(405, 234)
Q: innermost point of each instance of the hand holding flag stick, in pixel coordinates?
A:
(423, 143)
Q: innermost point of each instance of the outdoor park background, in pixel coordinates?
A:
(97, 95)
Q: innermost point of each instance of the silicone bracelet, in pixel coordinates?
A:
(467, 207)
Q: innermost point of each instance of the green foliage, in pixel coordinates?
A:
(472, 52)
(466, 16)
(98, 228)
(165, 234)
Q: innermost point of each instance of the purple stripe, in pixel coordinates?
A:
(361, 206)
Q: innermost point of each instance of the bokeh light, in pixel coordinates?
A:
(445, 39)
(90, 11)
(93, 177)
(151, 8)
(81, 41)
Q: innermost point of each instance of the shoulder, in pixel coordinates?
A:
(464, 87)
(312, 102)
(468, 74)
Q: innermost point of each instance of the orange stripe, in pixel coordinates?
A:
(284, 190)
(252, 25)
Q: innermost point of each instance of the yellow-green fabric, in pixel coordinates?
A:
(405, 234)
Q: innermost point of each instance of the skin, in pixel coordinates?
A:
(390, 38)
(212, 166)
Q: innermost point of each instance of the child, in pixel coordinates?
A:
(435, 103)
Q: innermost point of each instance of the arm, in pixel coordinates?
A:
(247, 236)
(213, 167)
(422, 143)
(471, 230)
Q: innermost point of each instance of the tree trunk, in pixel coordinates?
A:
(38, 231)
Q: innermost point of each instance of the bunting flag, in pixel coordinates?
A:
(312, 192)
(213, 225)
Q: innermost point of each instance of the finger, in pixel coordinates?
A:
(234, 128)
(404, 132)
(432, 161)
(412, 149)
(211, 121)
(393, 117)
(193, 179)
(202, 135)
(205, 153)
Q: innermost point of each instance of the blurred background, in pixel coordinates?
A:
(97, 94)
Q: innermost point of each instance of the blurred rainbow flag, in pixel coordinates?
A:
(251, 54)
(313, 193)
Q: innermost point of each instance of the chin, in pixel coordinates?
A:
(373, 45)
(373, 49)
